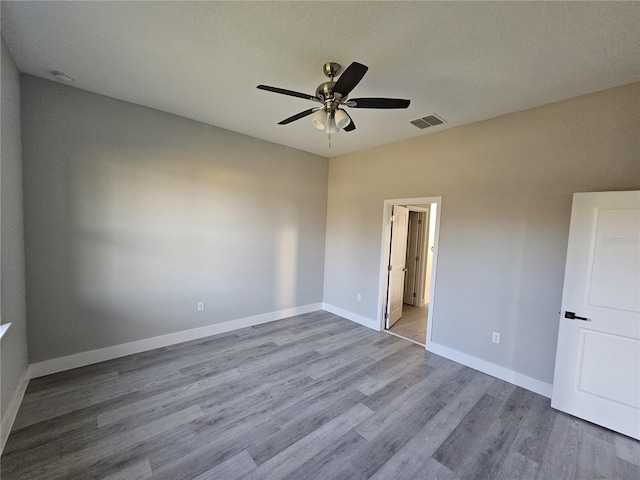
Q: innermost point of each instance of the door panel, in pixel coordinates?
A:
(597, 374)
(613, 281)
(600, 372)
(397, 263)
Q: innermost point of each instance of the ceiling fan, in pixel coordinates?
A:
(329, 116)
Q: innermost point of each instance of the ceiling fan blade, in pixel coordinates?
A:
(298, 116)
(378, 103)
(350, 78)
(351, 126)
(291, 93)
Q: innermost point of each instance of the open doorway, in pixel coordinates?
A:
(409, 254)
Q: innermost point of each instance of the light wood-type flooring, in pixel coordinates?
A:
(309, 397)
(412, 324)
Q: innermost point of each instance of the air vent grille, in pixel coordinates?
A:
(428, 121)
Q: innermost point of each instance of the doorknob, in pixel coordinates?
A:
(405, 269)
(573, 316)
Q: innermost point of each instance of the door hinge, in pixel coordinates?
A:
(417, 259)
(389, 268)
(414, 295)
(393, 218)
(386, 316)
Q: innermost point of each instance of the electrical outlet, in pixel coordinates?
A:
(358, 297)
(201, 306)
(495, 337)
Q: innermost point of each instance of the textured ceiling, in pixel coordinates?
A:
(203, 60)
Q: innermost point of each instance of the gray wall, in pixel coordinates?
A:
(134, 215)
(13, 350)
(506, 186)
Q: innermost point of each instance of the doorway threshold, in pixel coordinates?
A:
(404, 338)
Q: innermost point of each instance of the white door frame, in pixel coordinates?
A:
(384, 258)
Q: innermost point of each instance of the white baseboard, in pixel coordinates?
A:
(354, 317)
(82, 359)
(483, 366)
(12, 409)
(492, 369)
(56, 365)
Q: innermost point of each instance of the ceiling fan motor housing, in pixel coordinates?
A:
(325, 91)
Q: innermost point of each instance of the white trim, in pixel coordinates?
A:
(82, 359)
(415, 208)
(434, 267)
(384, 257)
(12, 410)
(3, 328)
(354, 317)
(519, 379)
(492, 369)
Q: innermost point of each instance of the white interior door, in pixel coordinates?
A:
(597, 372)
(397, 263)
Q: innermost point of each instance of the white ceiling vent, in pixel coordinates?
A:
(428, 121)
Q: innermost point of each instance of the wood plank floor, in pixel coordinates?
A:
(309, 397)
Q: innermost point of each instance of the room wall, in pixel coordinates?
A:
(13, 350)
(506, 187)
(133, 216)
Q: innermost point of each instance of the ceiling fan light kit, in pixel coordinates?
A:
(333, 95)
(330, 122)
(341, 118)
(330, 126)
(319, 120)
